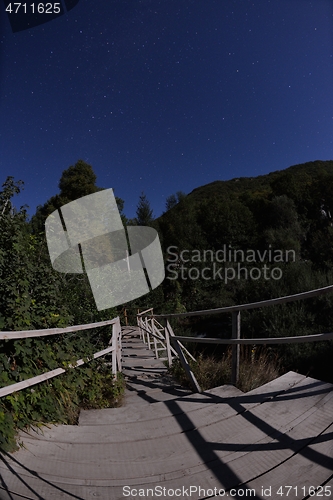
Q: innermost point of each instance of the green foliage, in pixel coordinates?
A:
(34, 296)
(173, 199)
(58, 399)
(285, 210)
(76, 181)
(10, 187)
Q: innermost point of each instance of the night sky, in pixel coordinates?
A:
(165, 95)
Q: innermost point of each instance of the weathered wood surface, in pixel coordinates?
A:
(147, 380)
(279, 434)
(23, 334)
(300, 339)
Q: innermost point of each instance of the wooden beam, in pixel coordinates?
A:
(252, 305)
(193, 381)
(4, 391)
(168, 346)
(54, 331)
(235, 348)
(299, 339)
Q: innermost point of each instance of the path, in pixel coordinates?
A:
(164, 437)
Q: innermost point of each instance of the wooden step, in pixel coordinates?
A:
(278, 434)
(239, 448)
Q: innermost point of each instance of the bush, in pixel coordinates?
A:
(59, 400)
(257, 367)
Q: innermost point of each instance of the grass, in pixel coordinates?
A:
(257, 367)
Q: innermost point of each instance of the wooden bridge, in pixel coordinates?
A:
(273, 442)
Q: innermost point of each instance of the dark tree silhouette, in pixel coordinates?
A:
(144, 214)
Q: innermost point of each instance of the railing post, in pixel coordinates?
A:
(147, 332)
(153, 340)
(155, 348)
(119, 347)
(143, 330)
(167, 338)
(139, 322)
(114, 350)
(235, 348)
(138, 318)
(153, 327)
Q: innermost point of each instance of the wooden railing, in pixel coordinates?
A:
(157, 337)
(148, 318)
(114, 347)
(162, 338)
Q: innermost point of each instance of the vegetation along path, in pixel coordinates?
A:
(167, 442)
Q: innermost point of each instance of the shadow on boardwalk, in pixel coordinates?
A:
(277, 435)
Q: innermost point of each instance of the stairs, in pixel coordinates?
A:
(147, 380)
(165, 437)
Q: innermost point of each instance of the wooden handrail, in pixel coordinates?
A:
(4, 391)
(164, 341)
(235, 341)
(26, 334)
(115, 342)
(299, 339)
(252, 305)
(144, 312)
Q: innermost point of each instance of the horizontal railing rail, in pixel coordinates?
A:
(251, 305)
(144, 312)
(115, 349)
(235, 339)
(299, 339)
(25, 334)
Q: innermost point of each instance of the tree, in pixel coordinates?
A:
(171, 202)
(76, 181)
(144, 214)
(283, 229)
(10, 187)
(173, 199)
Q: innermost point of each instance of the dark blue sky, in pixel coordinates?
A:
(166, 95)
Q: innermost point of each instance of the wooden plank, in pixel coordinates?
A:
(144, 312)
(311, 468)
(245, 452)
(120, 347)
(194, 383)
(114, 351)
(167, 338)
(23, 334)
(320, 337)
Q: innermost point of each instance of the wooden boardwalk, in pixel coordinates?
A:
(193, 445)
